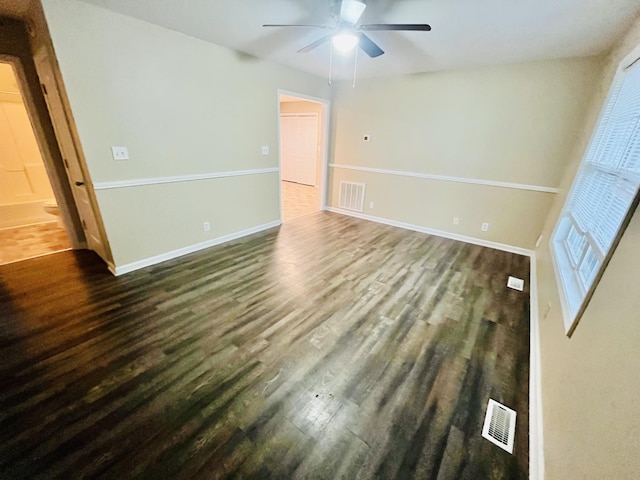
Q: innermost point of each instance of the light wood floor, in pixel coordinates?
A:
(328, 348)
(29, 241)
(298, 200)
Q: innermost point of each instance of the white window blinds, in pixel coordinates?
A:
(602, 193)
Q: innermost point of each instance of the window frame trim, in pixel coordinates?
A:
(570, 320)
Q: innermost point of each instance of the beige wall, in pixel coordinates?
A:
(513, 124)
(433, 203)
(590, 387)
(251, 196)
(182, 106)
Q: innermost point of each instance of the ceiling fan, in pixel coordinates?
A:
(346, 35)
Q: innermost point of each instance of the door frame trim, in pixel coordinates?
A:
(324, 158)
(57, 182)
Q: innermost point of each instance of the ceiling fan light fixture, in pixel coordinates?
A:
(345, 42)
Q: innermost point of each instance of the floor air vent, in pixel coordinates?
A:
(515, 283)
(499, 425)
(351, 196)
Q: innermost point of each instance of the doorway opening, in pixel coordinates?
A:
(30, 222)
(303, 140)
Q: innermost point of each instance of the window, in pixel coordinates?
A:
(601, 198)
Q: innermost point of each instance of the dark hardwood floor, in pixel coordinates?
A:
(329, 348)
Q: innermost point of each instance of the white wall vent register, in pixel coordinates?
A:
(499, 425)
(515, 283)
(351, 196)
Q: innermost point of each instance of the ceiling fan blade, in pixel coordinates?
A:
(369, 47)
(315, 44)
(325, 27)
(413, 27)
(351, 11)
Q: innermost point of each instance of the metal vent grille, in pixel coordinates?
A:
(499, 425)
(351, 196)
(515, 283)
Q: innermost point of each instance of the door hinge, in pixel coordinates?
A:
(44, 88)
(84, 225)
(66, 163)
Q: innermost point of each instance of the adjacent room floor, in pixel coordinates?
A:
(29, 241)
(298, 200)
(328, 348)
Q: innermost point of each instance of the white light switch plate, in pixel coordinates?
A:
(120, 153)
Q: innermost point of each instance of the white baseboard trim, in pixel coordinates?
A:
(111, 267)
(433, 231)
(163, 257)
(536, 444)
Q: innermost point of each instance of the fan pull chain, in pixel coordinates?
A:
(330, 62)
(355, 67)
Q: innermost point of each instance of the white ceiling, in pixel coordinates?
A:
(465, 32)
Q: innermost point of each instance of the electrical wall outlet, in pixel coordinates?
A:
(206, 226)
(265, 149)
(484, 227)
(456, 220)
(120, 153)
(370, 204)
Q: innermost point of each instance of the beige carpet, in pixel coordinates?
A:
(20, 243)
(298, 200)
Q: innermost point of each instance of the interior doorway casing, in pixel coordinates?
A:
(15, 50)
(324, 142)
(30, 52)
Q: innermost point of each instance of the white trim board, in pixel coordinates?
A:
(536, 451)
(567, 317)
(428, 176)
(439, 233)
(163, 257)
(303, 96)
(325, 119)
(180, 178)
(536, 445)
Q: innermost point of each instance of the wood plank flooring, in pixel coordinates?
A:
(298, 200)
(20, 243)
(330, 348)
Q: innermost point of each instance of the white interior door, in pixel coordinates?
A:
(299, 144)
